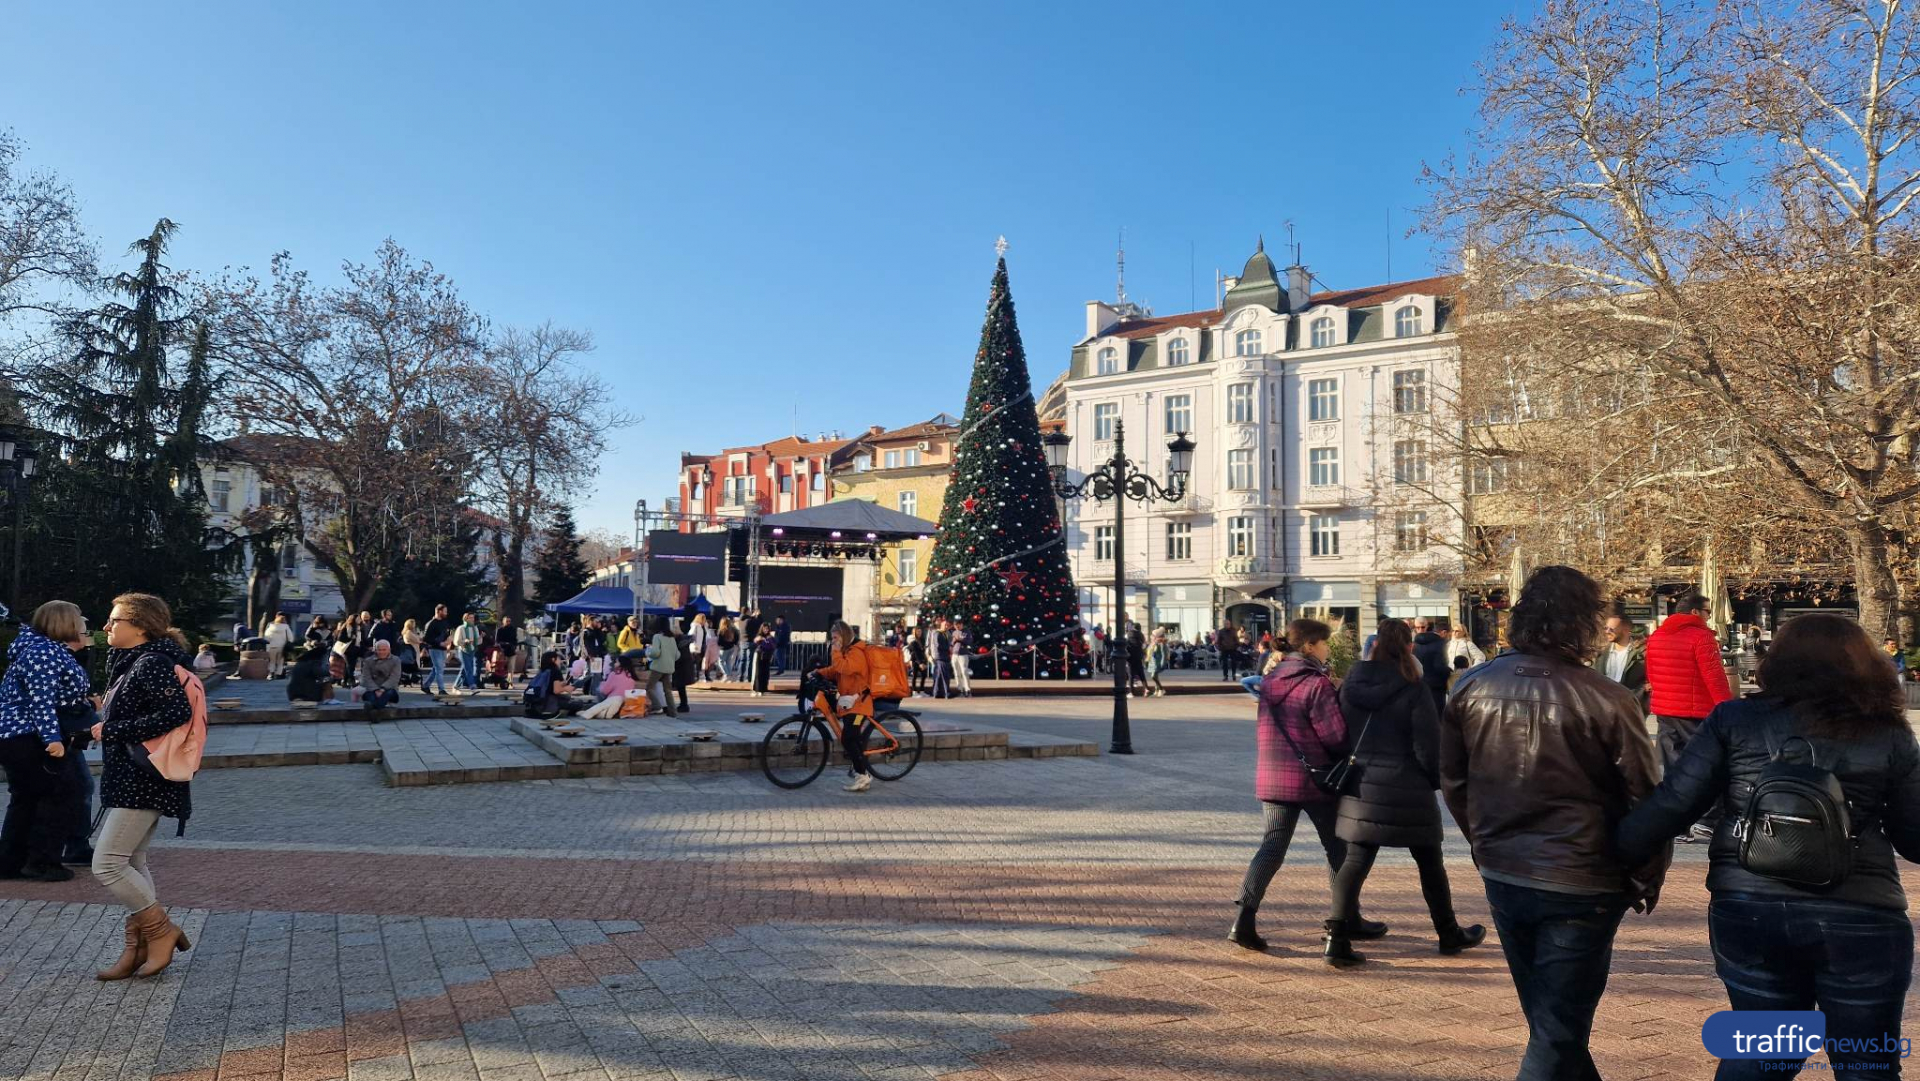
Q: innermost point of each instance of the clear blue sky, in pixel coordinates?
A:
(756, 206)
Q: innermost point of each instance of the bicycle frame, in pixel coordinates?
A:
(823, 704)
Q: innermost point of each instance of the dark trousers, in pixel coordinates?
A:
(1281, 818)
(1850, 962)
(762, 671)
(1229, 663)
(1675, 732)
(40, 814)
(779, 658)
(80, 797)
(379, 698)
(853, 739)
(1559, 947)
(940, 689)
(1434, 887)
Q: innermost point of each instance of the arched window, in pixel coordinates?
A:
(1406, 322)
(1109, 360)
(1177, 352)
(1246, 343)
(1323, 332)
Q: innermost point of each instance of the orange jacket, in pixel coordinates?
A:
(851, 673)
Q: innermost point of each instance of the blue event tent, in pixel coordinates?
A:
(617, 601)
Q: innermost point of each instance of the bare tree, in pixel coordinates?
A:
(41, 244)
(354, 386)
(538, 423)
(1706, 214)
(600, 547)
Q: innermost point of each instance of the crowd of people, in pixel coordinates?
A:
(1543, 757)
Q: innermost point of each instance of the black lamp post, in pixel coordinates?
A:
(1120, 480)
(17, 463)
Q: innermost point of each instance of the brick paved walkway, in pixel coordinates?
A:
(1054, 919)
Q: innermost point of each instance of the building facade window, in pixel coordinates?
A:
(219, 493)
(1177, 354)
(1323, 332)
(1179, 413)
(786, 483)
(1406, 322)
(1240, 403)
(1103, 543)
(1323, 399)
(1324, 530)
(1179, 540)
(1410, 391)
(1323, 465)
(909, 503)
(1109, 360)
(1410, 531)
(1104, 414)
(1273, 468)
(817, 482)
(1489, 476)
(1410, 461)
(909, 563)
(910, 457)
(1246, 343)
(1239, 469)
(862, 463)
(1240, 536)
(891, 459)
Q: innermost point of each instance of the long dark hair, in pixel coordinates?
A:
(1558, 615)
(1827, 668)
(1393, 644)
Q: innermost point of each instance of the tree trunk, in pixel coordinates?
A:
(1873, 579)
(512, 597)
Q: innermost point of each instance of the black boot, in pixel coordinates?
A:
(1242, 932)
(1367, 929)
(1340, 944)
(1456, 938)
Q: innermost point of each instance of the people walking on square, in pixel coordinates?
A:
(686, 670)
(663, 656)
(385, 629)
(145, 700)
(1685, 680)
(1891, 647)
(506, 640)
(1157, 660)
(917, 666)
(1430, 651)
(466, 642)
(1623, 656)
(1828, 701)
(782, 642)
(279, 636)
(1541, 757)
(1460, 643)
(1136, 659)
(413, 652)
(1299, 726)
(762, 660)
(942, 659)
(962, 657)
(379, 678)
(43, 697)
(436, 635)
(727, 636)
(1395, 730)
(1227, 644)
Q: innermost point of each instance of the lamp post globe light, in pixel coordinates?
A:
(1120, 480)
(17, 462)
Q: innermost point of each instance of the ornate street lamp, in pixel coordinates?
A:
(1120, 480)
(17, 462)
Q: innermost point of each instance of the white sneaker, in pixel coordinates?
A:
(861, 783)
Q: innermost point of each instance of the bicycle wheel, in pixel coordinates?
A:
(895, 762)
(795, 751)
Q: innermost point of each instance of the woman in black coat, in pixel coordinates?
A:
(1396, 729)
(1847, 949)
(687, 669)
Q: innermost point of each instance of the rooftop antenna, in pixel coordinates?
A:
(1120, 263)
(1389, 243)
(1290, 241)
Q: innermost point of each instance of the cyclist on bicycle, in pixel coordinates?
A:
(851, 672)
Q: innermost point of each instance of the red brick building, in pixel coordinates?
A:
(772, 478)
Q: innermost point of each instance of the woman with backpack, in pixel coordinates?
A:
(1821, 778)
(1396, 732)
(145, 700)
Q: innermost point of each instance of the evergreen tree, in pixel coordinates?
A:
(449, 573)
(123, 507)
(559, 573)
(999, 567)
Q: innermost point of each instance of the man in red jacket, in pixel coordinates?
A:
(1686, 679)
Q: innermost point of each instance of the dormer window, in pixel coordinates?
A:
(1323, 332)
(1246, 343)
(1177, 352)
(1406, 322)
(1109, 361)
(862, 463)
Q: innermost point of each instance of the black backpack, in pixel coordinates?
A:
(1796, 827)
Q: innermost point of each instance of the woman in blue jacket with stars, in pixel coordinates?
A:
(42, 677)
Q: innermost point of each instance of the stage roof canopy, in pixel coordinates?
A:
(853, 519)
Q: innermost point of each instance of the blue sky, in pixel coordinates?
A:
(757, 207)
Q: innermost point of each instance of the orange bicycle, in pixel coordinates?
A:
(797, 750)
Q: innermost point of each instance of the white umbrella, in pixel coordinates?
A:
(1516, 577)
(1714, 588)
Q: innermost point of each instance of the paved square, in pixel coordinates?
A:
(1053, 918)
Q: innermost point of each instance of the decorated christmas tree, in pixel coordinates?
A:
(999, 567)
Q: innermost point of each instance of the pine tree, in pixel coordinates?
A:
(559, 573)
(999, 567)
(450, 574)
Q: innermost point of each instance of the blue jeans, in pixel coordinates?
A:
(1851, 962)
(379, 698)
(779, 658)
(436, 675)
(1559, 947)
(1251, 684)
(470, 671)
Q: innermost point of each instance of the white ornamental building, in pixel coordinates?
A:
(1319, 486)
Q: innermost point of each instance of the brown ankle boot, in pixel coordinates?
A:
(130, 957)
(162, 939)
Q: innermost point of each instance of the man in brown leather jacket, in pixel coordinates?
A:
(1540, 758)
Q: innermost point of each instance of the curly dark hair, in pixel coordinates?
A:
(1827, 668)
(1558, 615)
